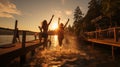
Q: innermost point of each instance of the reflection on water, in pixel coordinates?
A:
(72, 54)
(54, 57)
(54, 42)
(7, 39)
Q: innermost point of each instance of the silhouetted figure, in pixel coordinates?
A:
(61, 31)
(40, 34)
(44, 30)
(17, 36)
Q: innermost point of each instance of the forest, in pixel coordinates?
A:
(101, 14)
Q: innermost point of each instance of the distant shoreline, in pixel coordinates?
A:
(7, 31)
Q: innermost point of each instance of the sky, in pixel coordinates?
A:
(31, 13)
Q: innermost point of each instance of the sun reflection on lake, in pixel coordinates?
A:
(55, 40)
(54, 57)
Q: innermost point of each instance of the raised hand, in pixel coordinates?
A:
(58, 21)
(52, 16)
(50, 20)
(67, 22)
(40, 28)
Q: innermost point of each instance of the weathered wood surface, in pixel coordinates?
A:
(108, 36)
(8, 54)
(15, 32)
(105, 41)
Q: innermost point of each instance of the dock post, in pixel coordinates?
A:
(113, 56)
(115, 35)
(15, 30)
(23, 57)
(23, 39)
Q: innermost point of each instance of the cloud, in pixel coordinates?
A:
(58, 13)
(68, 12)
(8, 9)
(6, 15)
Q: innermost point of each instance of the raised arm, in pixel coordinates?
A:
(66, 23)
(50, 20)
(40, 28)
(58, 21)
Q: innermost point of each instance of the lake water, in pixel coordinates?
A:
(7, 39)
(72, 54)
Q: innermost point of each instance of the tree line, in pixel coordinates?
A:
(7, 31)
(101, 14)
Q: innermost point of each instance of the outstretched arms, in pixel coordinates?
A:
(50, 20)
(66, 23)
(40, 28)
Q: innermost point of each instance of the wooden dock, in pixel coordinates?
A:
(10, 53)
(16, 46)
(110, 36)
(107, 36)
(105, 42)
(14, 50)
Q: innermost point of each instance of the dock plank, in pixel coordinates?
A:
(17, 46)
(8, 54)
(105, 41)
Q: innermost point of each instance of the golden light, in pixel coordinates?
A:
(55, 40)
(54, 45)
(54, 26)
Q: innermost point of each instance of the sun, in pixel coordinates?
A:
(54, 26)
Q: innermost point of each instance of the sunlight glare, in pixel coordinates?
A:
(55, 40)
(54, 26)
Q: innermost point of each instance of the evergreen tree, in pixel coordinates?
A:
(110, 9)
(93, 12)
(78, 16)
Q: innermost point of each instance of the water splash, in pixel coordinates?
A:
(55, 56)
